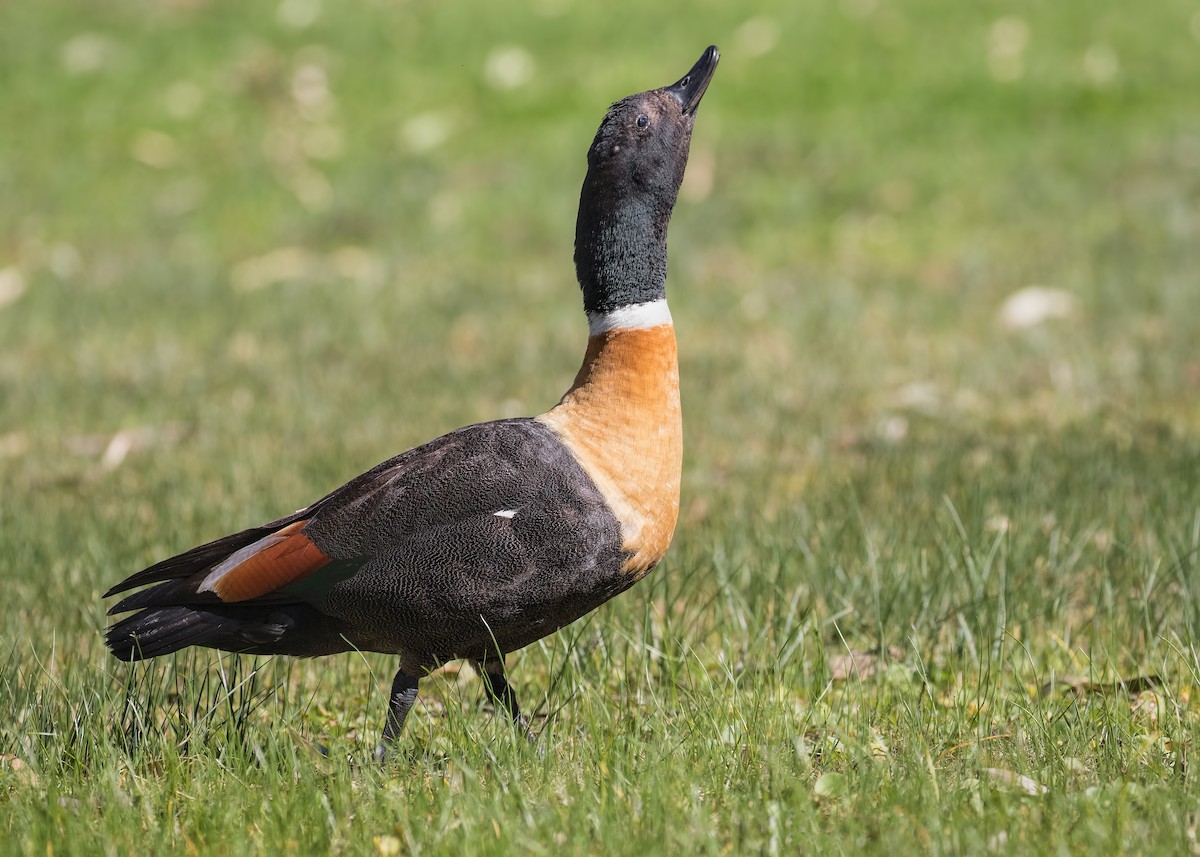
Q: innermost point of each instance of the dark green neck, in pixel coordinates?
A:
(620, 247)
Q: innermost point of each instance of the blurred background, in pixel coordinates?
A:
(934, 271)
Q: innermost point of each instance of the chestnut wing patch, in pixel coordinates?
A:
(280, 559)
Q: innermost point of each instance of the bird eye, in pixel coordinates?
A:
(643, 121)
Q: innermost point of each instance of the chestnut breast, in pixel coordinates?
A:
(623, 422)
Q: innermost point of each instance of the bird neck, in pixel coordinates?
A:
(620, 247)
(623, 422)
(631, 362)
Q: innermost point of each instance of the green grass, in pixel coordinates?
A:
(919, 550)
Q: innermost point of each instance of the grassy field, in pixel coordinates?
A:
(936, 278)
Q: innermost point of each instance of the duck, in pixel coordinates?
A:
(493, 536)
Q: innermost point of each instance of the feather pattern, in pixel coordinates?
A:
(409, 558)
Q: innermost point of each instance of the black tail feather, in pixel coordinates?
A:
(163, 630)
(190, 562)
(169, 593)
(200, 558)
(293, 629)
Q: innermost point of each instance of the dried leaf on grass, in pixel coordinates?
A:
(1081, 685)
(21, 771)
(1017, 781)
(113, 449)
(860, 664)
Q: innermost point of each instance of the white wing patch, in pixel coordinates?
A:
(506, 513)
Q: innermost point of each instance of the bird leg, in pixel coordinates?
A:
(404, 694)
(500, 692)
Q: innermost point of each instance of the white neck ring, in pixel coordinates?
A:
(632, 317)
